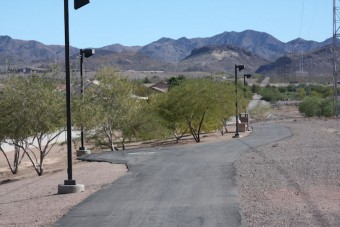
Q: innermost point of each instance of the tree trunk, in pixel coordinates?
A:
(123, 144)
(193, 132)
(14, 168)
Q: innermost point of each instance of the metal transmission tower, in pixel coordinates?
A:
(336, 34)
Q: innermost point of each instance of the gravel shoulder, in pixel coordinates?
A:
(33, 201)
(294, 182)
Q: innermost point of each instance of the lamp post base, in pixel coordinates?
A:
(82, 151)
(70, 186)
(237, 136)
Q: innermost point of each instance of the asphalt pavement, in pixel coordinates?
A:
(191, 185)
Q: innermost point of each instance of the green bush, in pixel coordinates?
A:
(255, 88)
(327, 107)
(311, 106)
(270, 94)
(300, 93)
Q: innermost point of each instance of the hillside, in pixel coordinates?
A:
(29, 53)
(220, 59)
(126, 60)
(264, 45)
(316, 63)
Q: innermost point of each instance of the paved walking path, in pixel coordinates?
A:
(192, 185)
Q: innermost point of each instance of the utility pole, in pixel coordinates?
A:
(336, 34)
(6, 67)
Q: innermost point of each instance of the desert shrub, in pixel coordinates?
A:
(317, 106)
(283, 89)
(322, 91)
(311, 106)
(270, 94)
(261, 111)
(255, 88)
(146, 80)
(300, 93)
(327, 107)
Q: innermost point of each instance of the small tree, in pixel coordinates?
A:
(14, 166)
(201, 104)
(141, 122)
(110, 100)
(167, 108)
(32, 117)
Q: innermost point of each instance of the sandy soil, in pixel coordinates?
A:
(29, 200)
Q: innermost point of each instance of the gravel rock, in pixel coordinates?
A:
(34, 201)
(295, 182)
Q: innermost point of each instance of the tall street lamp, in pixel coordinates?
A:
(83, 53)
(244, 87)
(69, 185)
(237, 68)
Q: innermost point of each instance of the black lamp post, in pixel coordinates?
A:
(69, 184)
(237, 68)
(244, 86)
(83, 53)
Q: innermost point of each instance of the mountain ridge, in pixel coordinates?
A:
(162, 54)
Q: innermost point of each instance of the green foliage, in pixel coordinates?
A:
(32, 108)
(270, 94)
(111, 100)
(260, 111)
(283, 89)
(198, 105)
(255, 88)
(311, 106)
(175, 81)
(322, 91)
(140, 90)
(115, 114)
(146, 80)
(294, 91)
(327, 107)
(300, 93)
(167, 107)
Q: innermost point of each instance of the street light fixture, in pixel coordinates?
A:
(237, 68)
(83, 53)
(80, 3)
(69, 185)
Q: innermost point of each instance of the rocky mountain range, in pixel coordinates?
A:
(318, 62)
(259, 51)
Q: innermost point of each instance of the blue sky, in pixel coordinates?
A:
(137, 22)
